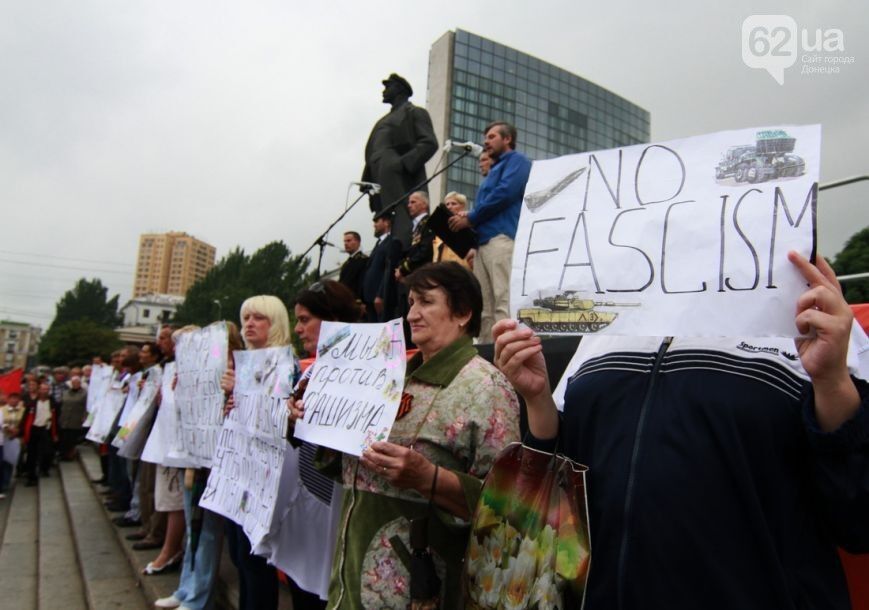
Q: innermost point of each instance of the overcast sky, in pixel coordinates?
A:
(244, 122)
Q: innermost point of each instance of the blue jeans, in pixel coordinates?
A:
(195, 589)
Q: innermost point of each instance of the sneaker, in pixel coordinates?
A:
(168, 602)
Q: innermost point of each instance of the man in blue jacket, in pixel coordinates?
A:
(495, 217)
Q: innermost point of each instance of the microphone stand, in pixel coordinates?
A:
(321, 240)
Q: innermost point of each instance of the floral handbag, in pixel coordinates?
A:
(529, 544)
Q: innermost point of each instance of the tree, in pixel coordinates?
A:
(76, 342)
(83, 325)
(854, 258)
(87, 301)
(270, 270)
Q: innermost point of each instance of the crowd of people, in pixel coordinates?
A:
(719, 476)
(42, 423)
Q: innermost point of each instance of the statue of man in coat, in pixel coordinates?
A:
(399, 146)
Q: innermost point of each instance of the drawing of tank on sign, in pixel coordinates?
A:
(770, 158)
(566, 313)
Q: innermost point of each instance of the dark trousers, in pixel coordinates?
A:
(69, 438)
(40, 451)
(302, 600)
(257, 580)
(119, 479)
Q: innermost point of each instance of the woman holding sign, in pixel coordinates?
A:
(264, 323)
(457, 413)
(723, 472)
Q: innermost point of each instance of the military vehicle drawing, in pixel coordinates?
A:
(565, 313)
(769, 159)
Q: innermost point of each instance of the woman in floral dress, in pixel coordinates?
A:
(458, 412)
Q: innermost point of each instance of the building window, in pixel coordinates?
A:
(146, 313)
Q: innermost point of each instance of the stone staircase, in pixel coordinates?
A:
(59, 550)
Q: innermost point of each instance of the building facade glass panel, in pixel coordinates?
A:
(556, 112)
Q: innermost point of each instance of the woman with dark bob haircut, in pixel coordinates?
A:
(458, 412)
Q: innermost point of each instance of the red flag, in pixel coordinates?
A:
(11, 381)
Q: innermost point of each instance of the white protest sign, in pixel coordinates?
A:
(200, 361)
(131, 438)
(687, 238)
(132, 397)
(166, 432)
(105, 415)
(143, 405)
(249, 456)
(355, 387)
(98, 385)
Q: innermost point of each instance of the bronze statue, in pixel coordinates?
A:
(399, 146)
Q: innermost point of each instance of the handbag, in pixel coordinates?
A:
(529, 545)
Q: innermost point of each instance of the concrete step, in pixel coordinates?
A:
(109, 582)
(163, 585)
(18, 552)
(60, 579)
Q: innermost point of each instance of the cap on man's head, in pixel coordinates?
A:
(395, 78)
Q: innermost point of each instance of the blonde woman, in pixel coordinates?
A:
(456, 203)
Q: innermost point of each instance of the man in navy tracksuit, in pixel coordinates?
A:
(723, 472)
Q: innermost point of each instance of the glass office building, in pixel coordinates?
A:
(473, 81)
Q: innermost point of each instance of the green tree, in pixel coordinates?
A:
(76, 342)
(270, 270)
(88, 301)
(854, 258)
(84, 309)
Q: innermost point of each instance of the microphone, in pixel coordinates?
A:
(475, 149)
(367, 187)
(326, 243)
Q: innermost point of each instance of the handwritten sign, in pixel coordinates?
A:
(133, 435)
(355, 386)
(105, 415)
(165, 433)
(688, 237)
(143, 404)
(98, 385)
(200, 361)
(249, 456)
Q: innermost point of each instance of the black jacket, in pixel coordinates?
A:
(710, 484)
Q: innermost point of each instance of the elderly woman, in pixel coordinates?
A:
(458, 413)
(455, 203)
(264, 323)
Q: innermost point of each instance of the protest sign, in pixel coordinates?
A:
(355, 386)
(200, 361)
(166, 433)
(248, 459)
(144, 400)
(105, 414)
(131, 438)
(688, 237)
(98, 385)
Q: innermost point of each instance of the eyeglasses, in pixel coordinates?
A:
(317, 287)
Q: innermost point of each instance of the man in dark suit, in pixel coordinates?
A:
(398, 147)
(378, 285)
(353, 269)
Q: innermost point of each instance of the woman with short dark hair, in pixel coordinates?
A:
(457, 413)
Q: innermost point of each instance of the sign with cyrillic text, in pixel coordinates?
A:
(249, 455)
(355, 388)
(688, 237)
(200, 361)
